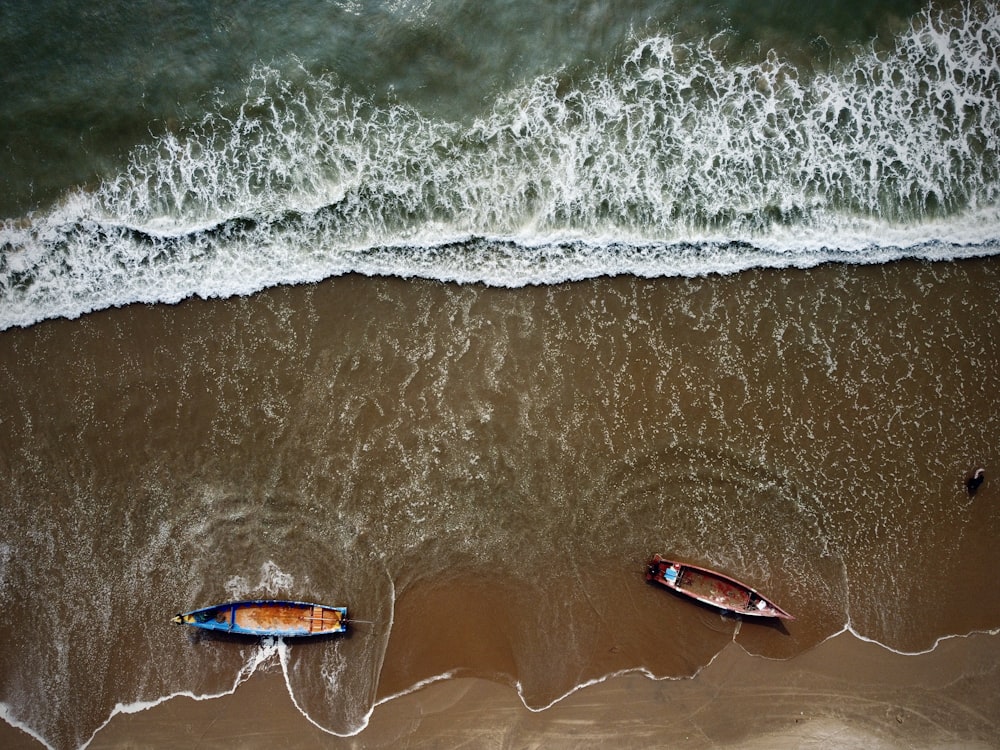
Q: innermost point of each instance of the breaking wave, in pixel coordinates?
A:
(676, 162)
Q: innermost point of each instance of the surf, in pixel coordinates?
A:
(674, 162)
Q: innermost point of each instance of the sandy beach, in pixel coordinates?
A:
(844, 693)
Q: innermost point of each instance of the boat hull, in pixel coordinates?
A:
(714, 589)
(268, 617)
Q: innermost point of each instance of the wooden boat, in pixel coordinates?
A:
(712, 588)
(265, 617)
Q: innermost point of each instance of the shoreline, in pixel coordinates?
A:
(972, 250)
(844, 692)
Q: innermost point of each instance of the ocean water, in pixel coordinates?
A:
(449, 304)
(393, 140)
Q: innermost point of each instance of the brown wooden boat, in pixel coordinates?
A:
(712, 588)
(268, 617)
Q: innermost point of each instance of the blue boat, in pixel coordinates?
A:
(268, 617)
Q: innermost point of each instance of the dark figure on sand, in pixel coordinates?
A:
(973, 482)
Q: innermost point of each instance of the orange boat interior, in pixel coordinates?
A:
(284, 617)
(716, 590)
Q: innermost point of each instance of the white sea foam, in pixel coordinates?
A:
(519, 688)
(7, 714)
(260, 656)
(284, 654)
(650, 675)
(676, 163)
(930, 648)
(273, 581)
(270, 650)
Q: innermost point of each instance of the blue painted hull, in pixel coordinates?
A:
(268, 617)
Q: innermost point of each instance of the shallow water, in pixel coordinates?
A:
(667, 155)
(482, 473)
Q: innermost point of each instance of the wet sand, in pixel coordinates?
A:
(760, 403)
(843, 693)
